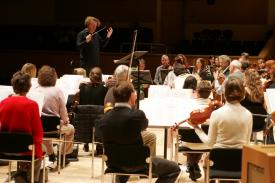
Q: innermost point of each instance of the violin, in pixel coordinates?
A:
(201, 115)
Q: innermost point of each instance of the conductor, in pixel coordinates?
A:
(89, 42)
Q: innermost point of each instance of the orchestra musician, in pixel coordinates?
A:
(230, 126)
(203, 92)
(124, 117)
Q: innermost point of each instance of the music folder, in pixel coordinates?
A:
(144, 77)
(126, 59)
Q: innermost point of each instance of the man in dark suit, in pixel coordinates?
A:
(123, 125)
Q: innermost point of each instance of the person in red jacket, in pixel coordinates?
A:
(20, 114)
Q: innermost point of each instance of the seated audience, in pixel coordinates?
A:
(20, 114)
(54, 105)
(114, 123)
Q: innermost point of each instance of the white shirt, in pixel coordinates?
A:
(230, 127)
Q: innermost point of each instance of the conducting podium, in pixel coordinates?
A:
(258, 164)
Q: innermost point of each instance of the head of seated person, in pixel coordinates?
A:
(190, 83)
(95, 75)
(234, 90)
(47, 76)
(204, 89)
(80, 71)
(30, 69)
(21, 83)
(124, 92)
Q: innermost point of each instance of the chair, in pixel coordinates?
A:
(51, 127)
(84, 123)
(127, 156)
(259, 124)
(218, 158)
(12, 146)
(188, 135)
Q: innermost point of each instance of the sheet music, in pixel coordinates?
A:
(270, 100)
(166, 111)
(5, 91)
(37, 97)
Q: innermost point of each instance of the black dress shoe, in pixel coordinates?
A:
(52, 157)
(86, 147)
(188, 168)
(67, 161)
(194, 172)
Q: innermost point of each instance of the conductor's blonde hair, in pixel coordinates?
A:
(88, 20)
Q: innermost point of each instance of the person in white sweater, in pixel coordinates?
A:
(231, 125)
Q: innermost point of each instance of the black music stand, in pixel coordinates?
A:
(126, 59)
(140, 77)
(143, 76)
(164, 73)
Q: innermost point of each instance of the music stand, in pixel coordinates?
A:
(126, 59)
(163, 74)
(143, 76)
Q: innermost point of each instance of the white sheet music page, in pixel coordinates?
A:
(270, 100)
(5, 91)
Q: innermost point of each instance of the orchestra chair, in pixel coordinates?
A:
(259, 124)
(85, 118)
(188, 136)
(51, 127)
(224, 164)
(12, 146)
(121, 155)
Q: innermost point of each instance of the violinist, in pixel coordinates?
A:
(231, 125)
(203, 92)
(270, 82)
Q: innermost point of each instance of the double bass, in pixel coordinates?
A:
(199, 116)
